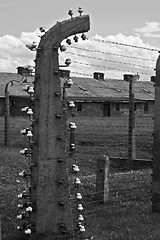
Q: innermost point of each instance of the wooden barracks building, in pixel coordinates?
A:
(95, 96)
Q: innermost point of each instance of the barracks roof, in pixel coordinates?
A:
(87, 89)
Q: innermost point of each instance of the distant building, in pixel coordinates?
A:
(18, 97)
(110, 97)
(95, 96)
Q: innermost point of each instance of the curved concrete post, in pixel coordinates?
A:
(49, 178)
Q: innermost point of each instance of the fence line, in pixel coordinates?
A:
(117, 189)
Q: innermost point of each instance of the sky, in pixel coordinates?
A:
(135, 23)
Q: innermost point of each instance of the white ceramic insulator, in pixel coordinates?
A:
(23, 131)
(80, 10)
(30, 111)
(22, 174)
(19, 216)
(72, 125)
(28, 231)
(76, 169)
(80, 207)
(81, 228)
(25, 109)
(29, 209)
(80, 218)
(23, 151)
(20, 205)
(29, 134)
(31, 90)
(71, 104)
(77, 181)
(72, 145)
(20, 195)
(79, 196)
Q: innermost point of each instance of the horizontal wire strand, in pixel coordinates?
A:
(124, 44)
(112, 61)
(114, 54)
(110, 68)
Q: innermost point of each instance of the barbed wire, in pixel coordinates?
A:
(109, 60)
(124, 177)
(125, 125)
(118, 130)
(123, 44)
(114, 54)
(123, 171)
(120, 192)
(83, 74)
(110, 68)
(90, 213)
(122, 131)
(117, 195)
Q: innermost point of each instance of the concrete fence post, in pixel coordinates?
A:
(131, 123)
(7, 134)
(7, 116)
(49, 192)
(102, 179)
(156, 144)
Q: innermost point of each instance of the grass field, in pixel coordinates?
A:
(127, 213)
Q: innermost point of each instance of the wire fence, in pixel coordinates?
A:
(126, 211)
(144, 137)
(97, 135)
(110, 56)
(128, 203)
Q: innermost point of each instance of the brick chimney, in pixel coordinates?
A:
(99, 76)
(126, 77)
(24, 71)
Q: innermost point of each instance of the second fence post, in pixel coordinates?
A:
(102, 179)
(156, 144)
(131, 124)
